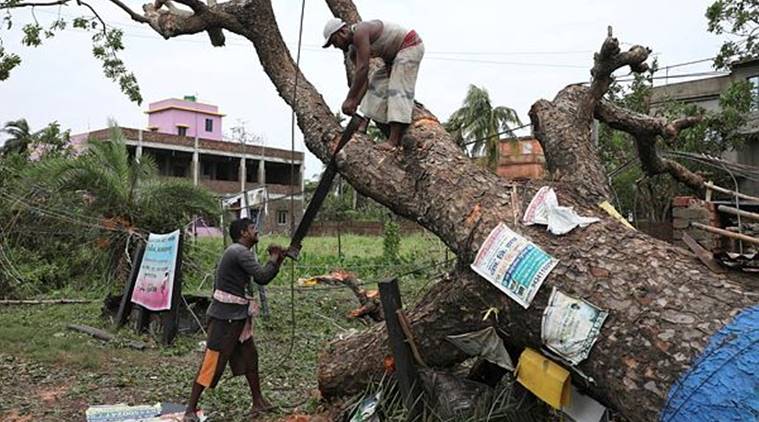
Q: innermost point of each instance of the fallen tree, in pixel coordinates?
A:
(664, 306)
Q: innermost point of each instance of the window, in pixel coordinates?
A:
(754, 81)
(209, 125)
(181, 131)
(282, 217)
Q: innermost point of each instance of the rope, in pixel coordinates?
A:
(292, 176)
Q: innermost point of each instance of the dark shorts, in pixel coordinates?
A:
(223, 346)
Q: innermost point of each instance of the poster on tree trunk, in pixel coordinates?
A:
(513, 264)
(155, 280)
(571, 326)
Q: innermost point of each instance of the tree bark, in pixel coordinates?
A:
(663, 304)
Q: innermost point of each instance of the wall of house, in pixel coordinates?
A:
(521, 159)
(165, 115)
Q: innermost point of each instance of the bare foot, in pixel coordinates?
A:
(260, 407)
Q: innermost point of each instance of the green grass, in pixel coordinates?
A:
(38, 349)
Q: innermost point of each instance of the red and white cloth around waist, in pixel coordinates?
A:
(411, 39)
(224, 297)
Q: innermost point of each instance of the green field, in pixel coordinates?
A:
(57, 373)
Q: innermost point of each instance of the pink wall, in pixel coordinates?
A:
(167, 114)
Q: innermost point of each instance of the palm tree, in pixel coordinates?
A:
(20, 137)
(479, 123)
(124, 192)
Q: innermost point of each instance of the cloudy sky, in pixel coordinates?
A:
(519, 51)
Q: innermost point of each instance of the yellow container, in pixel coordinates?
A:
(544, 378)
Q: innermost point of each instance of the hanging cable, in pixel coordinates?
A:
(292, 175)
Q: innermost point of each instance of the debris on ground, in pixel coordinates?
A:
(159, 412)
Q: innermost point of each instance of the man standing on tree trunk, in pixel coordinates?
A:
(389, 93)
(230, 322)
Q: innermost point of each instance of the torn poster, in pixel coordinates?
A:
(544, 209)
(485, 344)
(513, 264)
(155, 280)
(571, 326)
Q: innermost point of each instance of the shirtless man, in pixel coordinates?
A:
(389, 93)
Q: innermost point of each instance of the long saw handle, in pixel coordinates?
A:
(321, 190)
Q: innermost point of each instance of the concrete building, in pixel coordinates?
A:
(706, 93)
(521, 158)
(185, 139)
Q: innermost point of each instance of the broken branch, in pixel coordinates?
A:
(645, 130)
(606, 61)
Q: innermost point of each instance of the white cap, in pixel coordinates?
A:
(333, 25)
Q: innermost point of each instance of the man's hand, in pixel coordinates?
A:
(277, 253)
(349, 106)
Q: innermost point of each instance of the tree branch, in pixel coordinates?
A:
(172, 21)
(344, 10)
(606, 62)
(132, 14)
(92, 9)
(643, 124)
(17, 5)
(645, 130)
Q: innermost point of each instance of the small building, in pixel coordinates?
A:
(185, 139)
(521, 158)
(706, 93)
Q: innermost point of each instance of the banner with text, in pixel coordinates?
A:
(155, 280)
(513, 264)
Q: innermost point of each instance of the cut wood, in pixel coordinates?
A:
(726, 233)
(44, 302)
(736, 211)
(103, 335)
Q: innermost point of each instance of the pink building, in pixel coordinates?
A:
(184, 137)
(185, 117)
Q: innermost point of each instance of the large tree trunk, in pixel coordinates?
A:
(663, 304)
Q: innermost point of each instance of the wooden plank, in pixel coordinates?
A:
(703, 255)
(125, 307)
(171, 317)
(712, 186)
(406, 327)
(726, 233)
(736, 211)
(408, 378)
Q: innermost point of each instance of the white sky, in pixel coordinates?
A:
(519, 51)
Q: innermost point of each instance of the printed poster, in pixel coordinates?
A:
(571, 326)
(513, 264)
(155, 280)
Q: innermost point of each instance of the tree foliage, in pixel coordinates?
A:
(93, 206)
(106, 41)
(478, 122)
(649, 198)
(740, 19)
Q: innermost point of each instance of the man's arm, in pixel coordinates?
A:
(261, 274)
(361, 72)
